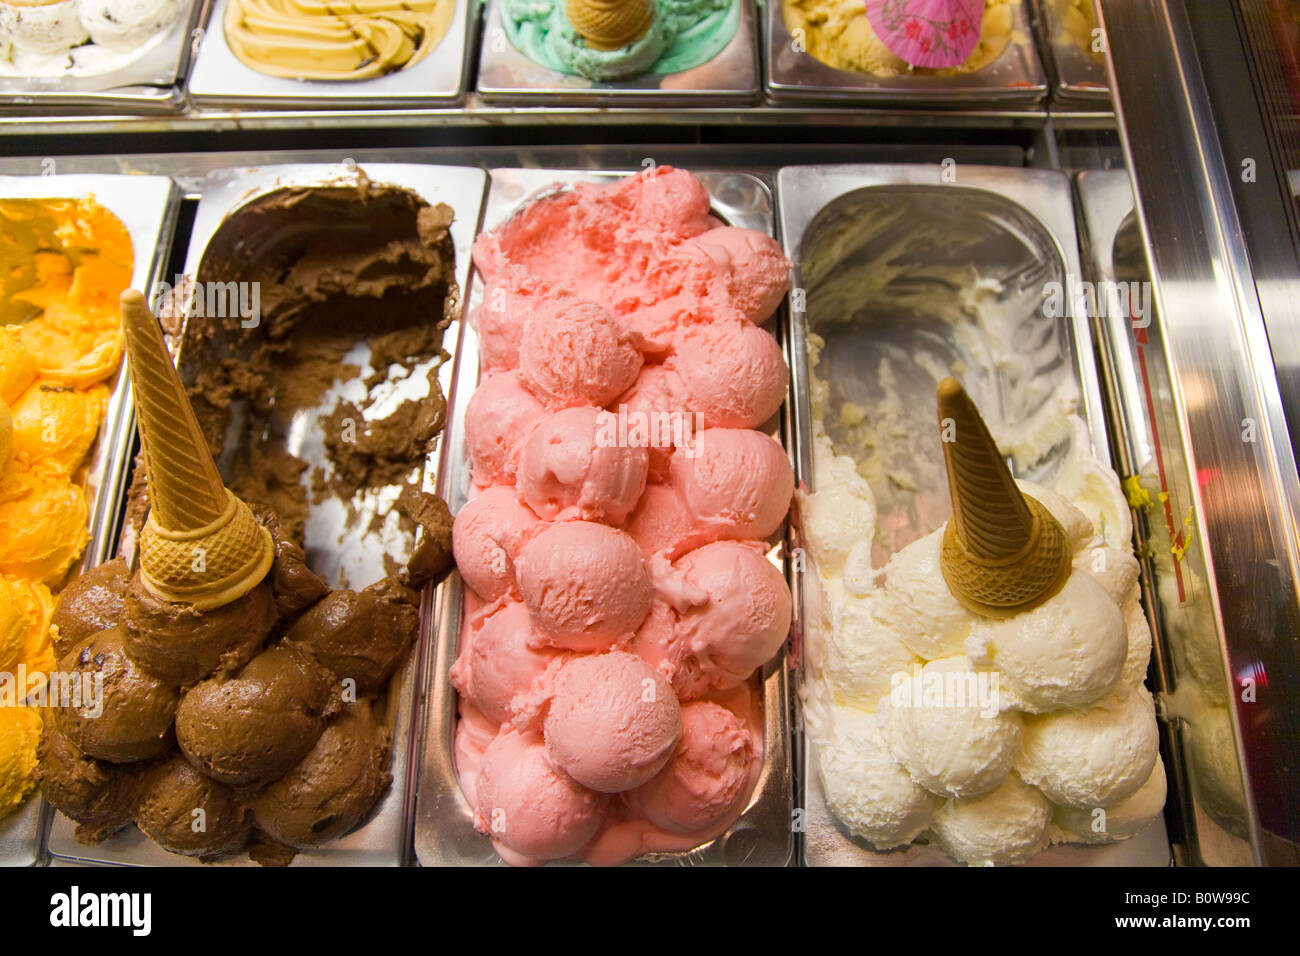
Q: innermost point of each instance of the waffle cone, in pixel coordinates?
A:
(1003, 553)
(610, 24)
(200, 545)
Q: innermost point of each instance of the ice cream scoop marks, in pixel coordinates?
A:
(210, 299)
(637, 428)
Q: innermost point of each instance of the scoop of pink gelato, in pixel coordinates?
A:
(663, 524)
(613, 721)
(737, 479)
(574, 353)
(501, 670)
(572, 465)
(704, 781)
(533, 811)
(659, 400)
(585, 585)
(509, 295)
(745, 618)
(733, 373)
(487, 536)
(500, 414)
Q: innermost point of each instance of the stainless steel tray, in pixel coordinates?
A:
(1021, 225)
(150, 84)
(1015, 79)
(507, 75)
(1077, 79)
(1151, 454)
(147, 207)
(383, 839)
(221, 79)
(444, 830)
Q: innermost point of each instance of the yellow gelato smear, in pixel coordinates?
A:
(837, 33)
(348, 40)
(17, 370)
(25, 609)
(20, 730)
(56, 425)
(42, 525)
(64, 262)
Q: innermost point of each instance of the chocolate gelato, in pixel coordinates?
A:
(133, 718)
(295, 585)
(92, 603)
(432, 555)
(257, 724)
(100, 796)
(361, 635)
(334, 786)
(187, 812)
(182, 645)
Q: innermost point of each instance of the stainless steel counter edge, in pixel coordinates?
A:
(1226, 390)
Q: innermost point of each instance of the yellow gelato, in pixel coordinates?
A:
(1077, 20)
(20, 730)
(25, 609)
(64, 263)
(17, 370)
(348, 40)
(42, 525)
(837, 33)
(56, 425)
(6, 433)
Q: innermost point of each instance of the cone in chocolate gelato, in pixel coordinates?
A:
(610, 24)
(1003, 552)
(201, 545)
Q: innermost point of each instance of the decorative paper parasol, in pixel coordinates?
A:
(934, 33)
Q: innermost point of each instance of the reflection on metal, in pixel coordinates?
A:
(1240, 467)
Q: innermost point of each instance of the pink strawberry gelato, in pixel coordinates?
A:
(585, 585)
(613, 721)
(736, 479)
(498, 418)
(608, 702)
(574, 353)
(571, 466)
(486, 538)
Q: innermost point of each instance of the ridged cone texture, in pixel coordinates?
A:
(1003, 553)
(201, 545)
(610, 24)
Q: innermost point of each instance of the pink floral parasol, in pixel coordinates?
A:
(934, 33)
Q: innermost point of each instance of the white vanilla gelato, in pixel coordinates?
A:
(1113, 569)
(863, 655)
(1138, 631)
(839, 517)
(123, 25)
(915, 602)
(865, 788)
(1094, 757)
(1125, 819)
(945, 728)
(45, 30)
(1008, 825)
(1067, 652)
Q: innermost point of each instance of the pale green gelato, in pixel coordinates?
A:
(684, 34)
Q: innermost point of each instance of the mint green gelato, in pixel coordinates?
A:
(684, 34)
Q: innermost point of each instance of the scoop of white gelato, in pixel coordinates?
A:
(863, 655)
(123, 25)
(865, 789)
(1138, 630)
(915, 602)
(840, 513)
(1067, 652)
(1078, 529)
(944, 726)
(42, 31)
(1095, 757)
(1125, 819)
(1113, 569)
(1008, 825)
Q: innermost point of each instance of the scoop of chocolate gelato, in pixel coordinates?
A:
(182, 645)
(294, 585)
(360, 635)
(92, 603)
(187, 812)
(432, 555)
(257, 724)
(100, 796)
(115, 710)
(334, 786)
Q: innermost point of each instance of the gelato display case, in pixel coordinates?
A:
(1076, 247)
